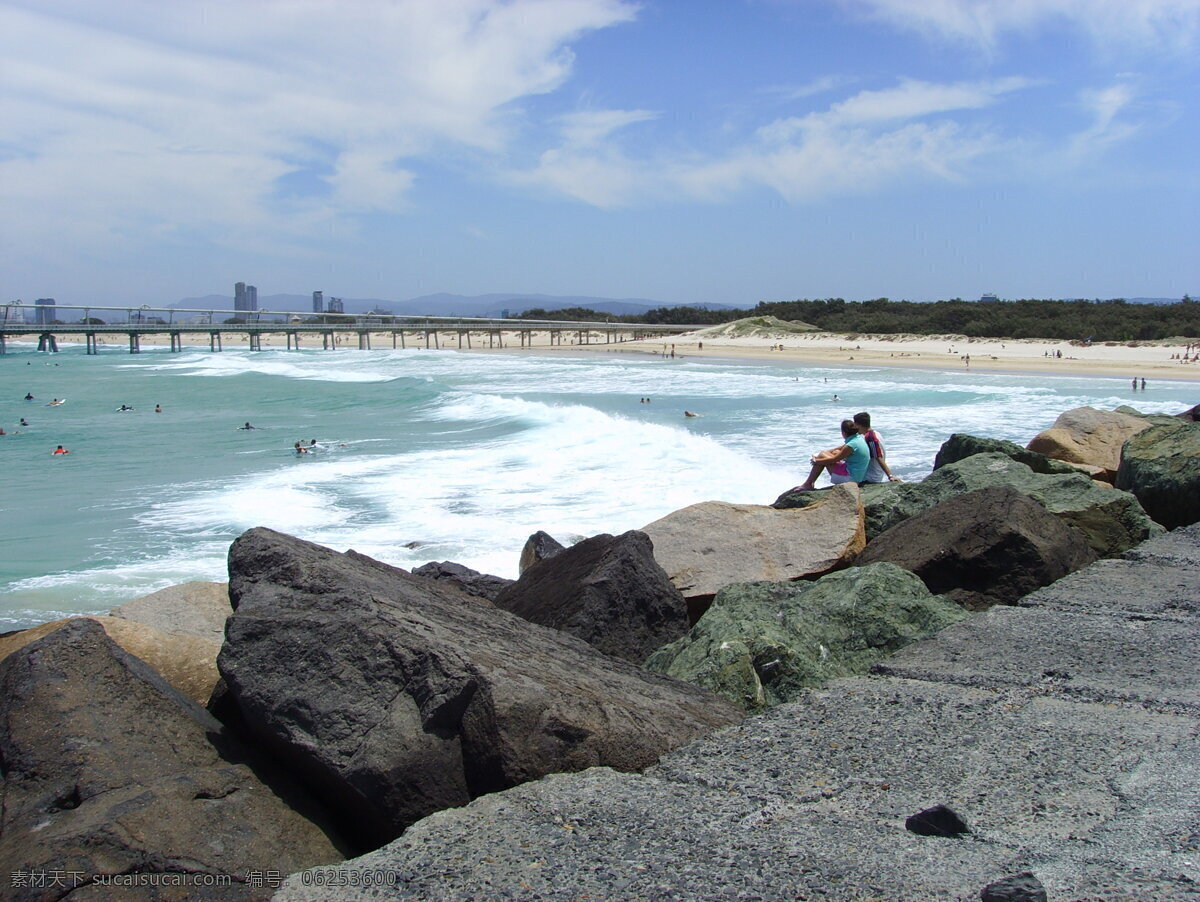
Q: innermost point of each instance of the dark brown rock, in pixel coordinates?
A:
(108, 770)
(990, 546)
(608, 591)
(538, 547)
(481, 585)
(396, 696)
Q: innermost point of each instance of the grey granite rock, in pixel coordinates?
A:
(1112, 520)
(110, 771)
(1161, 466)
(481, 585)
(538, 547)
(395, 696)
(606, 590)
(989, 546)
(961, 446)
(1092, 792)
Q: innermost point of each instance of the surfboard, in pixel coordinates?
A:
(55, 403)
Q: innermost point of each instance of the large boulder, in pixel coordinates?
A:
(1112, 519)
(760, 644)
(608, 591)
(709, 545)
(110, 771)
(538, 547)
(1089, 436)
(1161, 466)
(961, 445)
(481, 585)
(193, 609)
(187, 662)
(990, 546)
(396, 696)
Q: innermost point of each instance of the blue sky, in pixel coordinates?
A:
(687, 151)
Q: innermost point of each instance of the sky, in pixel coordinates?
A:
(685, 151)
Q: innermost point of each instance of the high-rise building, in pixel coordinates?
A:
(44, 315)
(318, 302)
(335, 305)
(245, 297)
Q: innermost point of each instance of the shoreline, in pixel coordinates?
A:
(946, 353)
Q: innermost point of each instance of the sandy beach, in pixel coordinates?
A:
(1148, 360)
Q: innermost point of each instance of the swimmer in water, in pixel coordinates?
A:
(28, 396)
(60, 450)
(688, 413)
(158, 408)
(247, 426)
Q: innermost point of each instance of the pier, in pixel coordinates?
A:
(329, 331)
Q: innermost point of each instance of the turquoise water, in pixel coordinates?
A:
(430, 455)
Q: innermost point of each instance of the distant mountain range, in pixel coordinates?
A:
(483, 305)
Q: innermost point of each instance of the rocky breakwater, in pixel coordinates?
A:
(1048, 748)
(393, 696)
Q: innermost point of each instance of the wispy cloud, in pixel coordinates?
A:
(1155, 24)
(857, 144)
(143, 115)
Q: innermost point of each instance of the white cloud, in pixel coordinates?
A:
(154, 116)
(1153, 24)
(855, 145)
(1107, 127)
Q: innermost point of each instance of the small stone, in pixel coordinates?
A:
(936, 821)
(1023, 887)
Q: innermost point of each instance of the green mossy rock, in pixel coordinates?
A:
(1112, 520)
(761, 643)
(961, 446)
(1161, 466)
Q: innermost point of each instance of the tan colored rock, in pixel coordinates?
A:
(1089, 436)
(710, 545)
(188, 663)
(196, 609)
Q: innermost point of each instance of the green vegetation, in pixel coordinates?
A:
(1111, 320)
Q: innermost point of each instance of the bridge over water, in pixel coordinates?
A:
(93, 323)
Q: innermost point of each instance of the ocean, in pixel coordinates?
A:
(428, 455)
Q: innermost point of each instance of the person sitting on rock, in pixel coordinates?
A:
(878, 469)
(845, 463)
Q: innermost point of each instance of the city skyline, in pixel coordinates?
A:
(704, 152)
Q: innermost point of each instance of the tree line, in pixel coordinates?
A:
(1080, 320)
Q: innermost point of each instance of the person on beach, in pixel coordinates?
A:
(878, 469)
(60, 450)
(846, 463)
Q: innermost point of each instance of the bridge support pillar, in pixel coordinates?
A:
(46, 342)
(293, 336)
(176, 342)
(214, 341)
(135, 346)
(255, 341)
(89, 341)
(364, 341)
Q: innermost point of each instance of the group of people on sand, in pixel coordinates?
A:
(860, 457)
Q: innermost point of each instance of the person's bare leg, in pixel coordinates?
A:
(811, 483)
